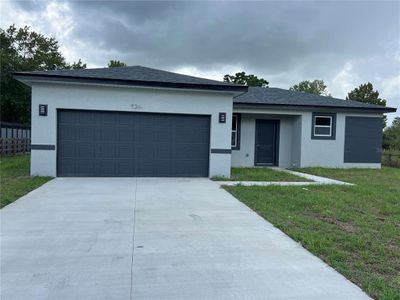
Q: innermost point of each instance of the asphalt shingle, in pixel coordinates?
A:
(139, 75)
(132, 73)
(277, 96)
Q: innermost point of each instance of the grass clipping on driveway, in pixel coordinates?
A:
(355, 229)
(15, 180)
(260, 174)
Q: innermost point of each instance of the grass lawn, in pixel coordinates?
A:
(15, 180)
(355, 229)
(260, 174)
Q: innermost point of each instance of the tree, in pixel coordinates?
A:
(250, 80)
(116, 63)
(24, 50)
(317, 87)
(78, 65)
(365, 93)
(391, 136)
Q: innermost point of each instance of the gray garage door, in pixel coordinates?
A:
(97, 143)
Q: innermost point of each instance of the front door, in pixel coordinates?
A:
(266, 146)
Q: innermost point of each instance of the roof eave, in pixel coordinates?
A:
(369, 109)
(25, 77)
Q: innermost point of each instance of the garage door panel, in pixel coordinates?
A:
(67, 117)
(106, 167)
(85, 150)
(85, 133)
(126, 120)
(125, 151)
(105, 151)
(69, 132)
(164, 151)
(67, 164)
(183, 168)
(124, 167)
(126, 134)
(164, 167)
(105, 118)
(86, 117)
(146, 169)
(164, 134)
(85, 167)
(146, 134)
(94, 143)
(145, 152)
(108, 133)
(66, 149)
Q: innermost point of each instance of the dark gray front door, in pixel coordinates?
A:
(266, 145)
(98, 143)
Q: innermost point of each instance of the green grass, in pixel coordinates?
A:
(355, 229)
(15, 180)
(260, 174)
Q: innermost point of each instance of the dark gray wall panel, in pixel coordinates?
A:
(363, 140)
(97, 143)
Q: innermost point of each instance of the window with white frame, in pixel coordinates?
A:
(235, 135)
(323, 126)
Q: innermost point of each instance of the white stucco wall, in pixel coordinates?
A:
(328, 153)
(296, 148)
(115, 98)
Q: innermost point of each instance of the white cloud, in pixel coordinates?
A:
(56, 19)
(390, 90)
(344, 81)
(391, 87)
(165, 36)
(216, 74)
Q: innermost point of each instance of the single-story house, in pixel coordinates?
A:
(138, 121)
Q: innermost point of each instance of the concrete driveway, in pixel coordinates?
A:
(127, 238)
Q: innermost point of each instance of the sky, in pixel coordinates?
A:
(343, 43)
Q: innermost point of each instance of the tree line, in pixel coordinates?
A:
(25, 50)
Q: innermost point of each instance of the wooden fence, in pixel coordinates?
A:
(11, 146)
(391, 158)
(14, 138)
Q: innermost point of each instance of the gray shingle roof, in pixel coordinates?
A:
(276, 96)
(143, 76)
(134, 75)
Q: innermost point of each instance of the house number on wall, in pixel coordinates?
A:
(136, 106)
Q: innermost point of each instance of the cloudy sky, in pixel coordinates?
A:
(343, 43)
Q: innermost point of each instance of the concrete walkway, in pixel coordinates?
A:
(126, 238)
(316, 180)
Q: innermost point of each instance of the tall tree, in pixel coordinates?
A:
(24, 50)
(78, 65)
(365, 93)
(116, 63)
(391, 136)
(317, 87)
(243, 78)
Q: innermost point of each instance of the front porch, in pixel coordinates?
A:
(266, 140)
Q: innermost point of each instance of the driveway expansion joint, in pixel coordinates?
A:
(133, 238)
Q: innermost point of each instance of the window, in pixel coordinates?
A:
(323, 126)
(235, 135)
